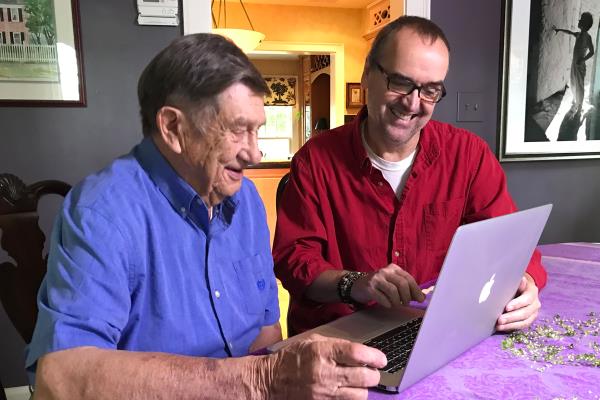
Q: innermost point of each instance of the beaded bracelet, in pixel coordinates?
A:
(344, 286)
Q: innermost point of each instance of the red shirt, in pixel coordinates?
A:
(338, 211)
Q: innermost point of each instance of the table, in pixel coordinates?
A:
(488, 372)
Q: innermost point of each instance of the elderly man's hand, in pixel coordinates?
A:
(521, 311)
(391, 286)
(322, 368)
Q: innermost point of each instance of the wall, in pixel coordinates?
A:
(319, 97)
(308, 24)
(286, 67)
(473, 29)
(69, 143)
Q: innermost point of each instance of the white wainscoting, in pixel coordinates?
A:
(17, 393)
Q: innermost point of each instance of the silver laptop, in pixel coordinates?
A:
(481, 273)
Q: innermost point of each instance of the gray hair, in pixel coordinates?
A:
(192, 71)
(422, 26)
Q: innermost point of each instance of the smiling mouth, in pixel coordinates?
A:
(235, 173)
(402, 116)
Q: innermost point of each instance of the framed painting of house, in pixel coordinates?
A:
(40, 54)
(550, 82)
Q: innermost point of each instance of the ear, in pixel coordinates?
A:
(170, 124)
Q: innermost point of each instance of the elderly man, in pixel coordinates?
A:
(160, 279)
(371, 207)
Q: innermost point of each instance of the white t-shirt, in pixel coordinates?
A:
(394, 172)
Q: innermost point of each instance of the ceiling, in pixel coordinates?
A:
(273, 56)
(314, 3)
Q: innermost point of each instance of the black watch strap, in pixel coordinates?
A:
(344, 286)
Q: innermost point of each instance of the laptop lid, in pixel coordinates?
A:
(480, 275)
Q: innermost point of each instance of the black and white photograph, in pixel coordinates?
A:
(551, 80)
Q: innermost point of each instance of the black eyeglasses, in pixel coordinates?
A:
(429, 92)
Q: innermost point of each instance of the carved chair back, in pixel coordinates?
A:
(23, 241)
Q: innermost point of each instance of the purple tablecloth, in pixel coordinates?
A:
(488, 372)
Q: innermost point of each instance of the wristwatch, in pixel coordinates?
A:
(344, 287)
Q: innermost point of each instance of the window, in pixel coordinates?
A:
(17, 37)
(2, 38)
(1, 14)
(307, 123)
(279, 122)
(275, 137)
(14, 15)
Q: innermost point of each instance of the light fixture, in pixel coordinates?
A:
(245, 39)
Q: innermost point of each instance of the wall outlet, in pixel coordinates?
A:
(470, 107)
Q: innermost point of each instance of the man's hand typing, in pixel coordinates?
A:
(391, 286)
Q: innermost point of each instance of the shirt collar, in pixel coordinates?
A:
(429, 143)
(177, 191)
(429, 147)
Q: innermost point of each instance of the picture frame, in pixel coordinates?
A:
(41, 63)
(541, 115)
(355, 95)
(283, 90)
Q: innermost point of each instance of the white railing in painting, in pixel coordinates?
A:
(30, 53)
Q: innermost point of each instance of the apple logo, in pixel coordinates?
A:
(486, 290)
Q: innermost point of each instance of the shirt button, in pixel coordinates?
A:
(230, 345)
(182, 210)
(217, 294)
(380, 183)
(396, 253)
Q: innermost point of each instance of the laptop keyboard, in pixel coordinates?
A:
(397, 344)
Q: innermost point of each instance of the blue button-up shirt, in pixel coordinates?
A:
(136, 264)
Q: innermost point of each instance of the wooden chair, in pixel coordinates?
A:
(23, 240)
(280, 187)
(2, 394)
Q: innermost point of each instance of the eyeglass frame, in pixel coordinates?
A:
(416, 87)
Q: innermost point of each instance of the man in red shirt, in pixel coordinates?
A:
(371, 206)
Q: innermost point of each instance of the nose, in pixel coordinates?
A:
(411, 101)
(251, 153)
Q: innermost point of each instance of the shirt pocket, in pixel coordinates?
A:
(441, 220)
(253, 281)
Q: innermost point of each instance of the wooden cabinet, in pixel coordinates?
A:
(266, 181)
